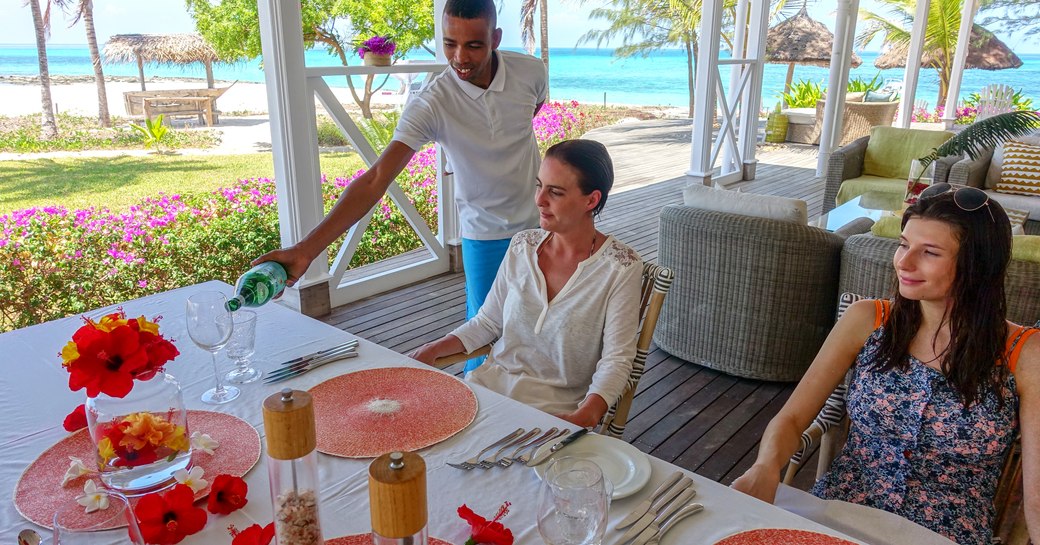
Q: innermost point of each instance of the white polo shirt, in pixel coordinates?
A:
(489, 140)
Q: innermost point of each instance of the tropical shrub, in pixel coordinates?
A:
(860, 85)
(329, 135)
(76, 133)
(803, 94)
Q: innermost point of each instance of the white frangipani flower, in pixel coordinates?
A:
(203, 442)
(192, 479)
(92, 498)
(76, 469)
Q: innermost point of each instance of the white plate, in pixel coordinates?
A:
(625, 466)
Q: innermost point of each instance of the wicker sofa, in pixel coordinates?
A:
(880, 163)
(866, 269)
(984, 174)
(752, 297)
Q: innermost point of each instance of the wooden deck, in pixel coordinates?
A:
(695, 417)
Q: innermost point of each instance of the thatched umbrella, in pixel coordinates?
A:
(161, 49)
(985, 51)
(801, 40)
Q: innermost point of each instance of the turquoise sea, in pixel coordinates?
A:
(583, 74)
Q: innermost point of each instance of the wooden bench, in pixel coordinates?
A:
(175, 103)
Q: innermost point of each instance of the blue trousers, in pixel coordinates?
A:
(481, 259)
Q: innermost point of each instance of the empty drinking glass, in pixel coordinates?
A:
(209, 326)
(73, 525)
(573, 503)
(240, 347)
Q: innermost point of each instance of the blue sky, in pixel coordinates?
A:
(567, 22)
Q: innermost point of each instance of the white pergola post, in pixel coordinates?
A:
(729, 156)
(913, 64)
(706, 80)
(841, 63)
(752, 99)
(293, 141)
(960, 58)
(448, 214)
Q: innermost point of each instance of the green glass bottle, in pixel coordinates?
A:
(258, 286)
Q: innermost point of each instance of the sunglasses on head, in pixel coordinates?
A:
(966, 198)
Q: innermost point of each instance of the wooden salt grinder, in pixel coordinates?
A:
(397, 497)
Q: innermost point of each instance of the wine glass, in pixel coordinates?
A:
(240, 347)
(73, 525)
(573, 503)
(210, 326)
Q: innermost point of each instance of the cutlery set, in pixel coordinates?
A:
(303, 364)
(653, 518)
(521, 441)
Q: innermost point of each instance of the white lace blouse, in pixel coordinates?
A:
(552, 355)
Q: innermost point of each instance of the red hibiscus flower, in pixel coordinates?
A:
(227, 495)
(492, 531)
(77, 419)
(166, 519)
(107, 361)
(254, 535)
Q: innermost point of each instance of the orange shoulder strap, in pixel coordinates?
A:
(1018, 340)
(881, 308)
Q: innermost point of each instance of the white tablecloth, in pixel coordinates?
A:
(34, 399)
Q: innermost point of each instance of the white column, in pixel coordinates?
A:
(913, 64)
(841, 62)
(706, 80)
(729, 155)
(294, 141)
(959, 59)
(448, 215)
(752, 99)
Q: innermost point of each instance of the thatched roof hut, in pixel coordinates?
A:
(161, 49)
(801, 40)
(985, 51)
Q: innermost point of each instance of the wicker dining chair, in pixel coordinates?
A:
(657, 280)
(829, 430)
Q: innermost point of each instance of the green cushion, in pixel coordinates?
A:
(854, 187)
(888, 227)
(1026, 248)
(890, 149)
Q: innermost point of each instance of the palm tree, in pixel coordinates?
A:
(41, 20)
(527, 11)
(85, 10)
(944, 22)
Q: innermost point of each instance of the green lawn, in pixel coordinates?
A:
(117, 182)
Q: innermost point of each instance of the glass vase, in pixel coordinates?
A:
(140, 439)
(917, 180)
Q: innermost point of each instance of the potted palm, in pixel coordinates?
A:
(377, 50)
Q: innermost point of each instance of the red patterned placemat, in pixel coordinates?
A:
(368, 413)
(39, 492)
(366, 539)
(772, 536)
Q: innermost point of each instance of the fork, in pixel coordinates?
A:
(523, 459)
(507, 461)
(472, 462)
(490, 462)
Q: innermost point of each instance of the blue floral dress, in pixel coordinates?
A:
(915, 450)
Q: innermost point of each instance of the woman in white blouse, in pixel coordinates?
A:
(563, 310)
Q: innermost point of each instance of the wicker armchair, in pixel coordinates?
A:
(866, 269)
(752, 297)
(847, 163)
(858, 118)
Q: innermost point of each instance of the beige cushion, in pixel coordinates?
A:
(1026, 248)
(993, 172)
(890, 149)
(746, 204)
(1020, 169)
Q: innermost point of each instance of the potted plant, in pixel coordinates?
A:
(377, 50)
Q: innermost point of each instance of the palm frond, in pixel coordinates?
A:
(986, 134)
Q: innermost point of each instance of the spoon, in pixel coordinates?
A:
(29, 536)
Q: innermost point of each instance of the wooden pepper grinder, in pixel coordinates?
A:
(397, 499)
(292, 467)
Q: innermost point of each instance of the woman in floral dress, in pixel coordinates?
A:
(942, 381)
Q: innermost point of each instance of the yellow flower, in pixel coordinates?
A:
(105, 450)
(69, 354)
(110, 322)
(141, 429)
(146, 326)
(178, 440)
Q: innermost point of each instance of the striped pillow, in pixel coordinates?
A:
(1020, 170)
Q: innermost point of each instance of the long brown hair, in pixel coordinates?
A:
(974, 362)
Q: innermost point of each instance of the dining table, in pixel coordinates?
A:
(35, 398)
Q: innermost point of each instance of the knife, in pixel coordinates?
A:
(648, 519)
(653, 534)
(544, 457)
(307, 361)
(314, 365)
(642, 508)
(319, 353)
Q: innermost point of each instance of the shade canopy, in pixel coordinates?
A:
(985, 51)
(801, 40)
(161, 49)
